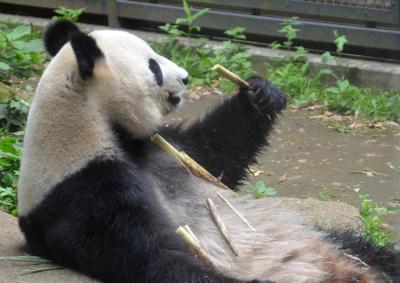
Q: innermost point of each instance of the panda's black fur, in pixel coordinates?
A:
(107, 221)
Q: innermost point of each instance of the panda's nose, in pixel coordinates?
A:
(185, 80)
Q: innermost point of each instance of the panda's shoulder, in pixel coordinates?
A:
(101, 180)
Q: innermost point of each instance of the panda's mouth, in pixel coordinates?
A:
(174, 98)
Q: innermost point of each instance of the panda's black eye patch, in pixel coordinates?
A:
(155, 68)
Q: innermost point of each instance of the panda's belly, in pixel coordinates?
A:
(278, 238)
(281, 249)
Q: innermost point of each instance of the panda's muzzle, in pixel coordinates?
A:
(173, 98)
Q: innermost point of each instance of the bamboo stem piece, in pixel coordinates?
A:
(224, 72)
(193, 243)
(236, 212)
(220, 224)
(191, 165)
(166, 146)
(187, 228)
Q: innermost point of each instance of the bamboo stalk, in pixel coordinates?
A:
(198, 170)
(236, 212)
(166, 146)
(187, 228)
(191, 165)
(191, 240)
(221, 225)
(224, 72)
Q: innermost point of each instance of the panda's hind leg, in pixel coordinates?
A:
(382, 258)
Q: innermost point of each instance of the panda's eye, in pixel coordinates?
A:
(155, 68)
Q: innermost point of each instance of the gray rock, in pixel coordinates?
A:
(11, 244)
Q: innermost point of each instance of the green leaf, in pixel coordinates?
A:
(324, 72)
(334, 90)
(180, 21)
(326, 57)
(343, 85)
(35, 45)
(4, 66)
(200, 13)
(186, 8)
(340, 41)
(18, 32)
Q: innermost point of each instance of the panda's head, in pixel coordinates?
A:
(117, 72)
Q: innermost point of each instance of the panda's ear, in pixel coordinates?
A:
(84, 46)
(57, 34)
(86, 52)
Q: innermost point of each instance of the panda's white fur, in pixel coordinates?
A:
(58, 143)
(96, 195)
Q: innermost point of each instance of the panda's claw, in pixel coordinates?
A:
(266, 97)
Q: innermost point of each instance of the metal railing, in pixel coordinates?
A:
(368, 24)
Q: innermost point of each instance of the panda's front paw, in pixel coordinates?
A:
(266, 98)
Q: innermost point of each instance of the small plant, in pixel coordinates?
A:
(187, 21)
(341, 127)
(20, 52)
(340, 41)
(259, 190)
(10, 154)
(290, 31)
(13, 113)
(190, 18)
(189, 57)
(64, 13)
(303, 87)
(197, 59)
(372, 218)
(325, 194)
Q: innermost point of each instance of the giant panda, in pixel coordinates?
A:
(96, 195)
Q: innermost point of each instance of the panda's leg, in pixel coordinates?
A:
(229, 138)
(381, 258)
(106, 222)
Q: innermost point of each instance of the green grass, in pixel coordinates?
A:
(325, 194)
(21, 56)
(259, 190)
(304, 88)
(372, 217)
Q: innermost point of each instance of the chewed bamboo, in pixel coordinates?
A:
(236, 212)
(191, 165)
(224, 72)
(221, 225)
(191, 240)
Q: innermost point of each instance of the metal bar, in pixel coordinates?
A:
(312, 31)
(112, 13)
(288, 6)
(310, 8)
(92, 6)
(263, 25)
